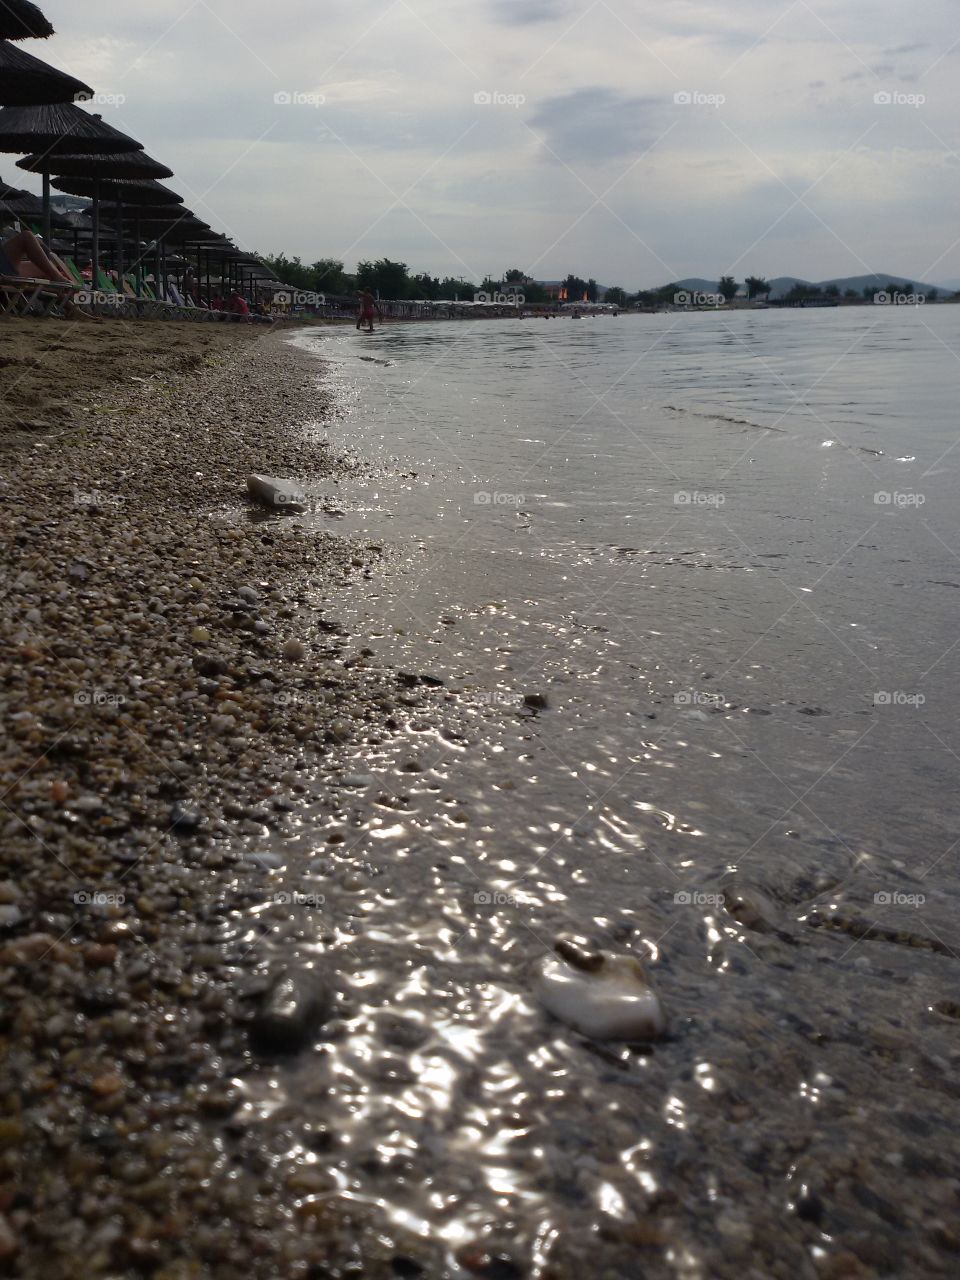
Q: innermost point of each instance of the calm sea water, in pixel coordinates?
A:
(725, 548)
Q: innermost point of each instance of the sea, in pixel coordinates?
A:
(675, 603)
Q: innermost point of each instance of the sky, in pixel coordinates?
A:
(633, 142)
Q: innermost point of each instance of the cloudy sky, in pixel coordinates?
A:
(635, 142)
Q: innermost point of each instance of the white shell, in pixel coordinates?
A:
(613, 1003)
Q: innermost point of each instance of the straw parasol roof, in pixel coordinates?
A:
(128, 166)
(20, 20)
(155, 213)
(26, 81)
(59, 127)
(146, 192)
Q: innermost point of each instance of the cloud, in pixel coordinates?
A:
(519, 13)
(597, 123)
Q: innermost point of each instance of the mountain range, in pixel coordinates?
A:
(782, 285)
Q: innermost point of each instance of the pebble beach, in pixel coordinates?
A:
(147, 750)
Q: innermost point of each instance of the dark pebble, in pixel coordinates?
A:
(294, 1008)
(536, 701)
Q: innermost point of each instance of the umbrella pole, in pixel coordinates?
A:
(119, 246)
(138, 272)
(47, 215)
(95, 256)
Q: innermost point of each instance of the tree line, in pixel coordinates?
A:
(388, 279)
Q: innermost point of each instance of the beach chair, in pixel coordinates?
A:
(25, 295)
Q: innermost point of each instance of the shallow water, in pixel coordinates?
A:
(724, 548)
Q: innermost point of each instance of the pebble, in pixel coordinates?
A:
(10, 916)
(294, 650)
(295, 1007)
(612, 1000)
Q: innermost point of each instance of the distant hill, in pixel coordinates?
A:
(781, 285)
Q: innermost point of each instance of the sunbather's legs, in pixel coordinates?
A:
(31, 259)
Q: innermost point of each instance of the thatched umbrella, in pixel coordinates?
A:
(59, 128)
(126, 166)
(25, 81)
(20, 20)
(146, 192)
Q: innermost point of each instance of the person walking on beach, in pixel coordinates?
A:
(368, 304)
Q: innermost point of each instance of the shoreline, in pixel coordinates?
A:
(158, 738)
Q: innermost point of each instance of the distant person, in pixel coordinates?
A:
(189, 286)
(238, 307)
(368, 305)
(216, 302)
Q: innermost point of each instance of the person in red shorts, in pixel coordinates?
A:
(368, 305)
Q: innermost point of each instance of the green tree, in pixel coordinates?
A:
(728, 287)
(330, 277)
(616, 296)
(851, 294)
(756, 285)
(576, 288)
(384, 278)
(831, 291)
(514, 276)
